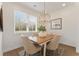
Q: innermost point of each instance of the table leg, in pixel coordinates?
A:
(44, 53)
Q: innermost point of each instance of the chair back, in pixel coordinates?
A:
(53, 44)
(28, 45)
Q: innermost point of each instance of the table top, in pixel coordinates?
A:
(44, 39)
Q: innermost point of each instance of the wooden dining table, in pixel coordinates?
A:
(43, 41)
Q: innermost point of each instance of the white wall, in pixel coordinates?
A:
(70, 28)
(10, 39)
(77, 41)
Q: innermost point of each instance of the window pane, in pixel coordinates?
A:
(32, 23)
(25, 22)
(20, 21)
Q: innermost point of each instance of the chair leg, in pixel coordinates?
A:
(54, 52)
(41, 53)
(25, 53)
(57, 52)
(60, 51)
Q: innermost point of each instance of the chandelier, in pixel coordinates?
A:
(44, 17)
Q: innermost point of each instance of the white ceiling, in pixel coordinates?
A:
(49, 6)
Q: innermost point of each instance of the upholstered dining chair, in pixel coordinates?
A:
(52, 46)
(30, 48)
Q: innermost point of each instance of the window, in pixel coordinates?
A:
(25, 22)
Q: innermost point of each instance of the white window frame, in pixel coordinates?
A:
(27, 27)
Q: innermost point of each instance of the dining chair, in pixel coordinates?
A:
(52, 46)
(30, 48)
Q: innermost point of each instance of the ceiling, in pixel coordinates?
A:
(49, 6)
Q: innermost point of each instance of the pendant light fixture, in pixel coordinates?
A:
(44, 16)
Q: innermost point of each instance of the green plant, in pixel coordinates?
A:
(41, 28)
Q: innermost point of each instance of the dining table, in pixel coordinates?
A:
(43, 40)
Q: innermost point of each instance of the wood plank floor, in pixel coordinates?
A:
(68, 51)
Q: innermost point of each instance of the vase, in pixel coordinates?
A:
(42, 34)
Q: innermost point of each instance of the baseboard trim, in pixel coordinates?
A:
(13, 49)
(67, 44)
(9, 49)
